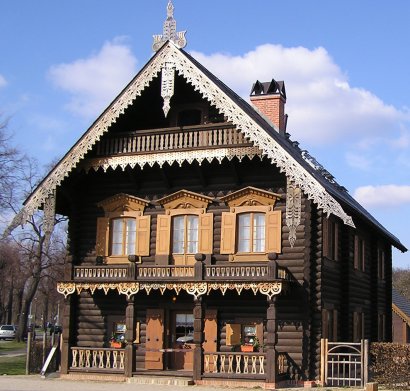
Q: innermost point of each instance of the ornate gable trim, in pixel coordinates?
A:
(185, 199)
(250, 196)
(169, 53)
(123, 202)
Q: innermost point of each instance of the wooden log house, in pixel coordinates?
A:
(203, 241)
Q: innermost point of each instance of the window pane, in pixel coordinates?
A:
(192, 222)
(178, 235)
(131, 229)
(244, 231)
(258, 232)
(117, 237)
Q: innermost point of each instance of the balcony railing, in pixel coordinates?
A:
(240, 364)
(98, 359)
(157, 140)
(198, 272)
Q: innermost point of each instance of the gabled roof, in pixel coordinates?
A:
(401, 306)
(283, 153)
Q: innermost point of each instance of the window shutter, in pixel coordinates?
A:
(355, 327)
(163, 234)
(335, 324)
(325, 324)
(274, 232)
(210, 331)
(228, 233)
(143, 236)
(356, 252)
(206, 225)
(233, 334)
(326, 237)
(259, 332)
(102, 240)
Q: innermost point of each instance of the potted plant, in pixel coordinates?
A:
(115, 342)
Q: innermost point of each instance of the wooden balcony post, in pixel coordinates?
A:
(273, 266)
(129, 337)
(198, 338)
(199, 266)
(271, 341)
(67, 320)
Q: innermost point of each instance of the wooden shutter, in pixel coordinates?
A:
(335, 325)
(206, 225)
(163, 234)
(233, 334)
(259, 332)
(102, 240)
(143, 236)
(325, 324)
(274, 232)
(228, 233)
(325, 234)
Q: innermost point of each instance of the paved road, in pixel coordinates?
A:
(36, 383)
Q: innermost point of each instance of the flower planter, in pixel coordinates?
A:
(246, 348)
(116, 345)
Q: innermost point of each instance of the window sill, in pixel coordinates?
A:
(248, 257)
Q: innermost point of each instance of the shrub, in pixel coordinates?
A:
(390, 364)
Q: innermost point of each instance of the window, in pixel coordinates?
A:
(381, 327)
(331, 239)
(358, 326)
(251, 232)
(245, 332)
(185, 229)
(252, 228)
(123, 230)
(329, 324)
(380, 263)
(359, 253)
(123, 236)
(185, 234)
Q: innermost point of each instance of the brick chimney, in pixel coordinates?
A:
(269, 98)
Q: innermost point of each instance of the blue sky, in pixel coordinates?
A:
(345, 65)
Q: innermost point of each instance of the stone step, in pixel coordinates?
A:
(161, 380)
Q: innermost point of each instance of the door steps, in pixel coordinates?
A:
(161, 380)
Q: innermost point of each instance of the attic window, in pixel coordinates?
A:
(189, 117)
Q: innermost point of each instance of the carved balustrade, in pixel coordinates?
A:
(240, 364)
(97, 359)
(104, 272)
(132, 272)
(189, 137)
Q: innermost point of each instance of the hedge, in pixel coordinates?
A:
(390, 364)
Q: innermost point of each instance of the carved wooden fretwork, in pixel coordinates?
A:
(195, 289)
(123, 202)
(250, 196)
(169, 32)
(184, 199)
(180, 157)
(279, 156)
(293, 210)
(167, 85)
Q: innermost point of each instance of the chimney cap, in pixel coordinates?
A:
(269, 88)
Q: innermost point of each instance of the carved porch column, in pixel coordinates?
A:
(271, 328)
(65, 340)
(198, 338)
(130, 337)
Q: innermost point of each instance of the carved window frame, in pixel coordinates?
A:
(183, 203)
(122, 206)
(251, 200)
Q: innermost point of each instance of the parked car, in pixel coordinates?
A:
(8, 331)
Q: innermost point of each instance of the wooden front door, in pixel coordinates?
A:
(155, 339)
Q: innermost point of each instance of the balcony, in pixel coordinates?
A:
(168, 273)
(207, 136)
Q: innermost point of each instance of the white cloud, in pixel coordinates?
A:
(392, 195)
(322, 106)
(3, 81)
(95, 81)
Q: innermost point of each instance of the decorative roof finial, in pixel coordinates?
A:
(170, 31)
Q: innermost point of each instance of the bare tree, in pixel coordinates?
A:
(401, 281)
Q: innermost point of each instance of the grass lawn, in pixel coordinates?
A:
(13, 365)
(12, 345)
